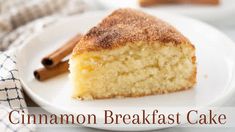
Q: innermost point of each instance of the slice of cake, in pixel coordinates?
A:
(131, 54)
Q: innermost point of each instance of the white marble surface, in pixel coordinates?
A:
(226, 26)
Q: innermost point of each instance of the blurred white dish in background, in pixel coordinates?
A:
(222, 12)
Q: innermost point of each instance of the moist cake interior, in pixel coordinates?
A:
(134, 70)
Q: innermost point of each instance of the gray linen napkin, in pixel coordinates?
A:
(18, 20)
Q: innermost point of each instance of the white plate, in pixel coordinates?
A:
(215, 60)
(224, 11)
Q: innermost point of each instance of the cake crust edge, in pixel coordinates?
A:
(115, 30)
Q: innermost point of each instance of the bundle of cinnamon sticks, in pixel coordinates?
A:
(145, 3)
(53, 63)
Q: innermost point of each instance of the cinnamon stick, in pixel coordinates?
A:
(55, 57)
(205, 2)
(46, 73)
(145, 3)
